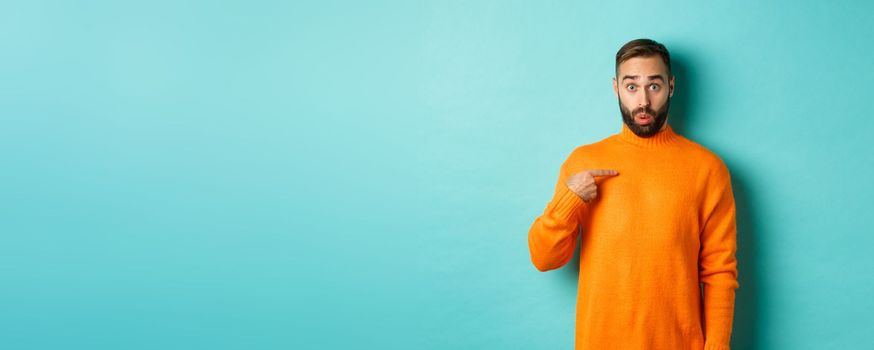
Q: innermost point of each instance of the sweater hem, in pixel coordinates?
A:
(709, 346)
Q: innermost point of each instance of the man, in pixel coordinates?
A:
(658, 221)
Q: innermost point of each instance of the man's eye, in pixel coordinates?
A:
(654, 87)
(631, 87)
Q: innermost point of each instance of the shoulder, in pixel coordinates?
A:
(701, 153)
(589, 156)
(590, 149)
(711, 165)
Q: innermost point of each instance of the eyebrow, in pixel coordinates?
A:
(651, 77)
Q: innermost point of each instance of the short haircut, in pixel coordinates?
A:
(643, 48)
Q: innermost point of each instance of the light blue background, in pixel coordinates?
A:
(326, 175)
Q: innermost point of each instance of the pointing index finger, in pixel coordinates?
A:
(603, 172)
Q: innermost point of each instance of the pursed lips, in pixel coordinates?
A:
(643, 118)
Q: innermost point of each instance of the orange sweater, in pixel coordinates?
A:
(663, 225)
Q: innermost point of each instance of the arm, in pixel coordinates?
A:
(716, 261)
(553, 235)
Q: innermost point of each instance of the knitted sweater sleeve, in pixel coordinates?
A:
(716, 261)
(553, 235)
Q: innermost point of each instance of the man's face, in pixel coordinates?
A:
(644, 91)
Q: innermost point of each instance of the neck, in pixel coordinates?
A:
(665, 136)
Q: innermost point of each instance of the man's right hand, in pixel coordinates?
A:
(583, 183)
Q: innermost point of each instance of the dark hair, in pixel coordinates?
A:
(643, 48)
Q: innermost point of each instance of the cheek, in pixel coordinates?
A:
(625, 105)
(660, 98)
(627, 98)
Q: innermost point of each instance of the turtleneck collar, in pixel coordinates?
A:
(663, 137)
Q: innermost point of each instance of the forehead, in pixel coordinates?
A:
(643, 67)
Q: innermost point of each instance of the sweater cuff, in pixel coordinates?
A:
(712, 346)
(565, 204)
(718, 315)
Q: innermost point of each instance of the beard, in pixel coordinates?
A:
(645, 130)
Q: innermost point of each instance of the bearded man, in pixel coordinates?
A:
(654, 214)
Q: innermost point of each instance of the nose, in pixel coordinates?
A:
(644, 99)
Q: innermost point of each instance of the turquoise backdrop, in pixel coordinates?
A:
(362, 175)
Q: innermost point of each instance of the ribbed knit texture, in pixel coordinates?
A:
(663, 225)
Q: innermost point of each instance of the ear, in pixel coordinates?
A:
(616, 87)
(672, 87)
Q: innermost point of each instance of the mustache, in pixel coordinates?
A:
(646, 110)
